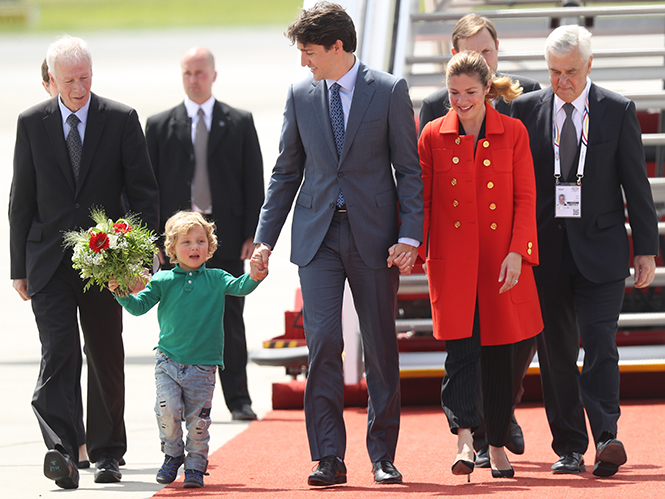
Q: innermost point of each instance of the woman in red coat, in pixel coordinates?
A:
(480, 228)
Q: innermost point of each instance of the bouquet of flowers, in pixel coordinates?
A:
(119, 250)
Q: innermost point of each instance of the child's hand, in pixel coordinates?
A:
(139, 283)
(257, 270)
(113, 285)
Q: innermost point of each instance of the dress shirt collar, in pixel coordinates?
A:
(193, 108)
(579, 103)
(82, 113)
(348, 81)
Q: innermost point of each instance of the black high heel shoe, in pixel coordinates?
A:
(510, 473)
(462, 467)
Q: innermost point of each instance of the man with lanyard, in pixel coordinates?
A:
(586, 145)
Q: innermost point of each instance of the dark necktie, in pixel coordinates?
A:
(337, 122)
(74, 145)
(568, 141)
(201, 183)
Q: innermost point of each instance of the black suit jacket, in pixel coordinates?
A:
(615, 160)
(45, 200)
(235, 170)
(437, 103)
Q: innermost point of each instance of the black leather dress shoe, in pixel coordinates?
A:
(516, 441)
(386, 473)
(244, 413)
(107, 470)
(330, 471)
(483, 457)
(570, 463)
(610, 454)
(61, 468)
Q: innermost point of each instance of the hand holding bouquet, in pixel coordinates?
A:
(110, 250)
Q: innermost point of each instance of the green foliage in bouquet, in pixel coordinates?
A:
(119, 249)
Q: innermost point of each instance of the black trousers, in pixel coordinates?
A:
(573, 308)
(458, 391)
(56, 400)
(233, 377)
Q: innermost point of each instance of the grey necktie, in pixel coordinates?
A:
(337, 122)
(201, 183)
(74, 145)
(568, 141)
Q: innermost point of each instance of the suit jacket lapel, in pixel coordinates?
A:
(362, 96)
(596, 113)
(94, 128)
(218, 127)
(53, 125)
(182, 128)
(319, 94)
(544, 123)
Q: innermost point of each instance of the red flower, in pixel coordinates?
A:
(99, 242)
(122, 228)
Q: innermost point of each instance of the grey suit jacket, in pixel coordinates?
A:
(378, 171)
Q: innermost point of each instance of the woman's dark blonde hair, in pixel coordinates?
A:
(472, 64)
(180, 224)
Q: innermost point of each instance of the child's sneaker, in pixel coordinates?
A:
(169, 470)
(193, 479)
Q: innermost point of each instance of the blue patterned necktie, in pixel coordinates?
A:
(337, 122)
(74, 145)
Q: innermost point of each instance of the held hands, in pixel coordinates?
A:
(404, 256)
(511, 269)
(645, 269)
(257, 271)
(260, 257)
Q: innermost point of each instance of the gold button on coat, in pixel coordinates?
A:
(492, 206)
(487, 162)
(486, 144)
(457, 224)
(528, 252)
(490, 185)
(493, 226)
(455, 160)
(453, 181)
(455, 203)
(457, 141)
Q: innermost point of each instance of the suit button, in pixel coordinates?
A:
(487, 162)
(331, 205)
(453, 181)
(455, 160)
(455, 203)
(486, 144)
(492, 206)
(490, 185)
(493, 226)
(458, 224)
(340, 175)
(76, 206)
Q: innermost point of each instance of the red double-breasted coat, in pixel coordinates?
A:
(477, 210)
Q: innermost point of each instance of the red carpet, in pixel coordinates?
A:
(271, 460)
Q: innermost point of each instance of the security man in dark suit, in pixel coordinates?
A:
(586, 144)
(206, 157)
(74, 152)
(477, 33)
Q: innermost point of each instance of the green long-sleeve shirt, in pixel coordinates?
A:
(191, 311)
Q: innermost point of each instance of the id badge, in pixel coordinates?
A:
(568, 201)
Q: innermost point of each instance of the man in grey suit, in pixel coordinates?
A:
(348, 149)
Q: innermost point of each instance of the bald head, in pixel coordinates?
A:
(198, 74)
